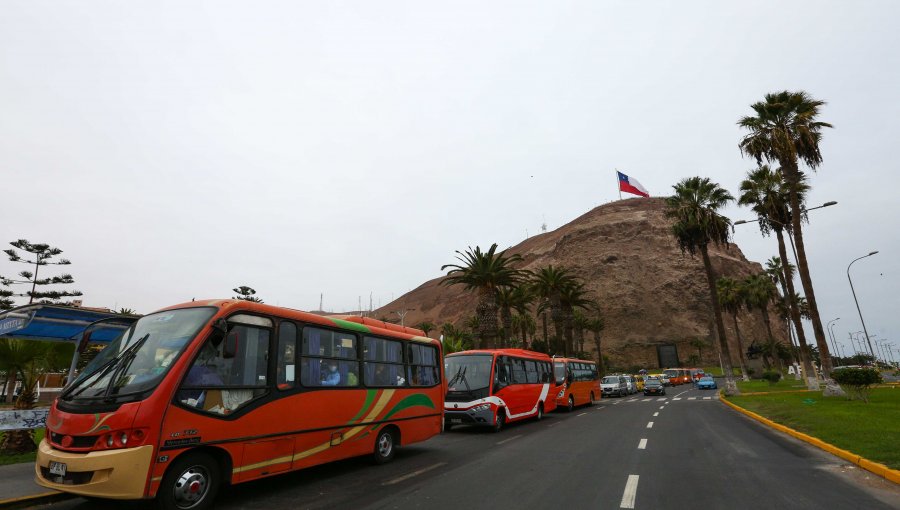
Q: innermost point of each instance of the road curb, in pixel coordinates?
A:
(34, 499)
(879, 469)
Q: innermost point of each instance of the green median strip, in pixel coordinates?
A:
(869, 430)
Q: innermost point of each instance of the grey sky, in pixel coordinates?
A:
(179, 149)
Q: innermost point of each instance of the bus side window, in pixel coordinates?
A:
(286, 372)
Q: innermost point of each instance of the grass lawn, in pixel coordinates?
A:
(788, 384)
(869, 430)
(717, 371)
(24, 457)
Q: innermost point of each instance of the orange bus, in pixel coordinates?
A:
(678, 376)
(493, 387)
(577, 382)
(207, 393)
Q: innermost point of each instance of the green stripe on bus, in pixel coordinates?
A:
(349, 325)
(370, 397)
(416, 399)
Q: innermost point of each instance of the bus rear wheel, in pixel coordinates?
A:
(540, 413)
(593, 399)
(191, 483)
(385, 446)
(571, 405)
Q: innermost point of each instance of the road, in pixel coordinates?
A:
(686, 450)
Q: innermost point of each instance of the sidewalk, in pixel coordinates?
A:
(18, 489)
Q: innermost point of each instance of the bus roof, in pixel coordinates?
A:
(354, 323)
(573, 360)
(510, 352)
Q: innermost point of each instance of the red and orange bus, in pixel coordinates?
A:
(493, 387)
(209, 393)
(577, 382)
(678, 376)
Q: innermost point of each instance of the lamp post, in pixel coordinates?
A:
(871, 351)
(831, 333)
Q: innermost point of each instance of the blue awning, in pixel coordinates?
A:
(61, 323)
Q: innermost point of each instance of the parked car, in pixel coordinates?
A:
(632, 385)
(614, 386)
(707, 383)
(654, 387)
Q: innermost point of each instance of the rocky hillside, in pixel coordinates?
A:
(650, 293)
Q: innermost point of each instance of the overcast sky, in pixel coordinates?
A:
(179, 149)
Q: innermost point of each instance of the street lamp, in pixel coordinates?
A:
(787, 227)
(831, 333)
(402, 314)
(872, 351)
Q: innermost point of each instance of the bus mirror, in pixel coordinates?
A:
(230, 348)
(219, 330)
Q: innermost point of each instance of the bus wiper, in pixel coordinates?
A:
(102, 371)
(460, 376)
(456, 376)
(130, 353)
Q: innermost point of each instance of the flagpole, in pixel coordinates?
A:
(618, 186)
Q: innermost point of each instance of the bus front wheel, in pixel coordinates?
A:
(500, 421)
(191, 483)
(571, 404)
(385, 446)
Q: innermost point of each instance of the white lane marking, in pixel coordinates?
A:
(642, 445)
(692, 398)
(707, 398)
(676, 398)
(414, 473)
(647, 400)
(682, 393)
(630, 492)
(656, 413)
(661, 399)
(600, 407)
(508, 439)
(633, 400)
(582, 414)
(662, 407)
(650, 425)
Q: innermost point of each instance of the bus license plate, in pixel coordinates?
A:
(57, 468)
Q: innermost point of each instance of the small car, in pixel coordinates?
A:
(613, 385)
(707, 383)
(654, 387)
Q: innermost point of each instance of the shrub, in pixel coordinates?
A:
(856, 381)
(773, 376)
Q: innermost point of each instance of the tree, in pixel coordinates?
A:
(573, 298)
(524, 324)
(548, 285)
(733, 298)
(426, 326)
(785, 129)
(128, 311)
(43, 253)
(760, 291)
(484, 273)
(767, 193)
(699, 343)
(246, 294)
(511, 299)
(596, 326)
(697, 223)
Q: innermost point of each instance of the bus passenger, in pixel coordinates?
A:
(332, 377)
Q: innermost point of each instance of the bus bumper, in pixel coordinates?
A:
(114, 474)
(473, 416)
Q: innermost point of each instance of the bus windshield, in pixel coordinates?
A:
(559, 372)
(468, 372)
(138, 359)
(671, 373)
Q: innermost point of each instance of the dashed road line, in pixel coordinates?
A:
(508, 439)
(677, 398)
(647, 400)
(661, 399)
(650, 425)
(582, 414)
(630, 493)
(656, 413)
(692, 398)
(707, 398)
(680, 394)
(642, 445)
(414, 473)
(662, 407)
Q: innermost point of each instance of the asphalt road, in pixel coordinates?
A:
(696, 454)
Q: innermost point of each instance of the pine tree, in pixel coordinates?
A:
(43, 253)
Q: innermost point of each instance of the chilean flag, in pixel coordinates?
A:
(631, 185)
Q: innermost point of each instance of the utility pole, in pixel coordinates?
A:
(402, 314)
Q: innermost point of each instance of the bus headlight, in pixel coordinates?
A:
(480, 408)
(561, 393)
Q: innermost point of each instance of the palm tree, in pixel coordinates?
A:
(484, 273)
(548, 285)
(760, 292)
(573, 298)
(596, 326)
(699, 343)
(22, 360)
(524, 324)
(512, 298)
(785, 129)
(766, 192)
(733, 298)
(694, 209)
(426, 327)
